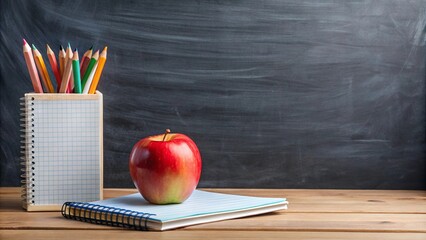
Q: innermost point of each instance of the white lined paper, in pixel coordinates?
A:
(199, 204)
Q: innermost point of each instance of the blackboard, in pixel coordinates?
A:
(276, 94)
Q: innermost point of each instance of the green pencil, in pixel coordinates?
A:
(76, 72)
(92, 63)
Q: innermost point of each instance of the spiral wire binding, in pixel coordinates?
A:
(103, 215)
(27, 151)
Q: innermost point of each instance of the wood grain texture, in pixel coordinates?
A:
(302, 201)
(277, 94)
(196, 235)
(305, 219)
(395, 211)
(280, 221)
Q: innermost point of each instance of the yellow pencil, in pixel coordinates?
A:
(101, 63)
(42, 70)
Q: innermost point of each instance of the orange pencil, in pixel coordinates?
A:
(54, 65)
(85, 61)
(61, 56)
(101, 64)
(29, 60)
(67, 74)
(38, 59)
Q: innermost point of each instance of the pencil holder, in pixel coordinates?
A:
(62, 149)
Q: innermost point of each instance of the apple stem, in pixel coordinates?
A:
(165, 134)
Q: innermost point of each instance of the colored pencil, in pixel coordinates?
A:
(85, 61)
(52, 60)
(96, 78)
(70, 81)
(89, 79)
(29, 60)
(41, 66)
(67, 74)
(61, 57)
(89, 69)
(76, 72)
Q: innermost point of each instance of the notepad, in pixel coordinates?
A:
(133, 211)
(62, 149)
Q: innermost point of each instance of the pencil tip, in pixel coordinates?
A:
(91, 48)
(75, 50)
(69, 45)
(25, 42)
(106, 48)
(75, 55)
(60, 47)
(33, 46)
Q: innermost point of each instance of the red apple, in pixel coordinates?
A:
(165, 168)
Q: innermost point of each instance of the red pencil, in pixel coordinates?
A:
(85, 61)
(54, 65)
(29, 59)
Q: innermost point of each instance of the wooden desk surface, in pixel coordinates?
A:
(312, 214)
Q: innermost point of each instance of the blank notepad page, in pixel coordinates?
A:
(198, 204)
(67, 150)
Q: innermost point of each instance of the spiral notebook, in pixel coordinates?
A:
(61, 149)
(133, 211)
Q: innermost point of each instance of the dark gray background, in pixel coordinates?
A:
(276, 94)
